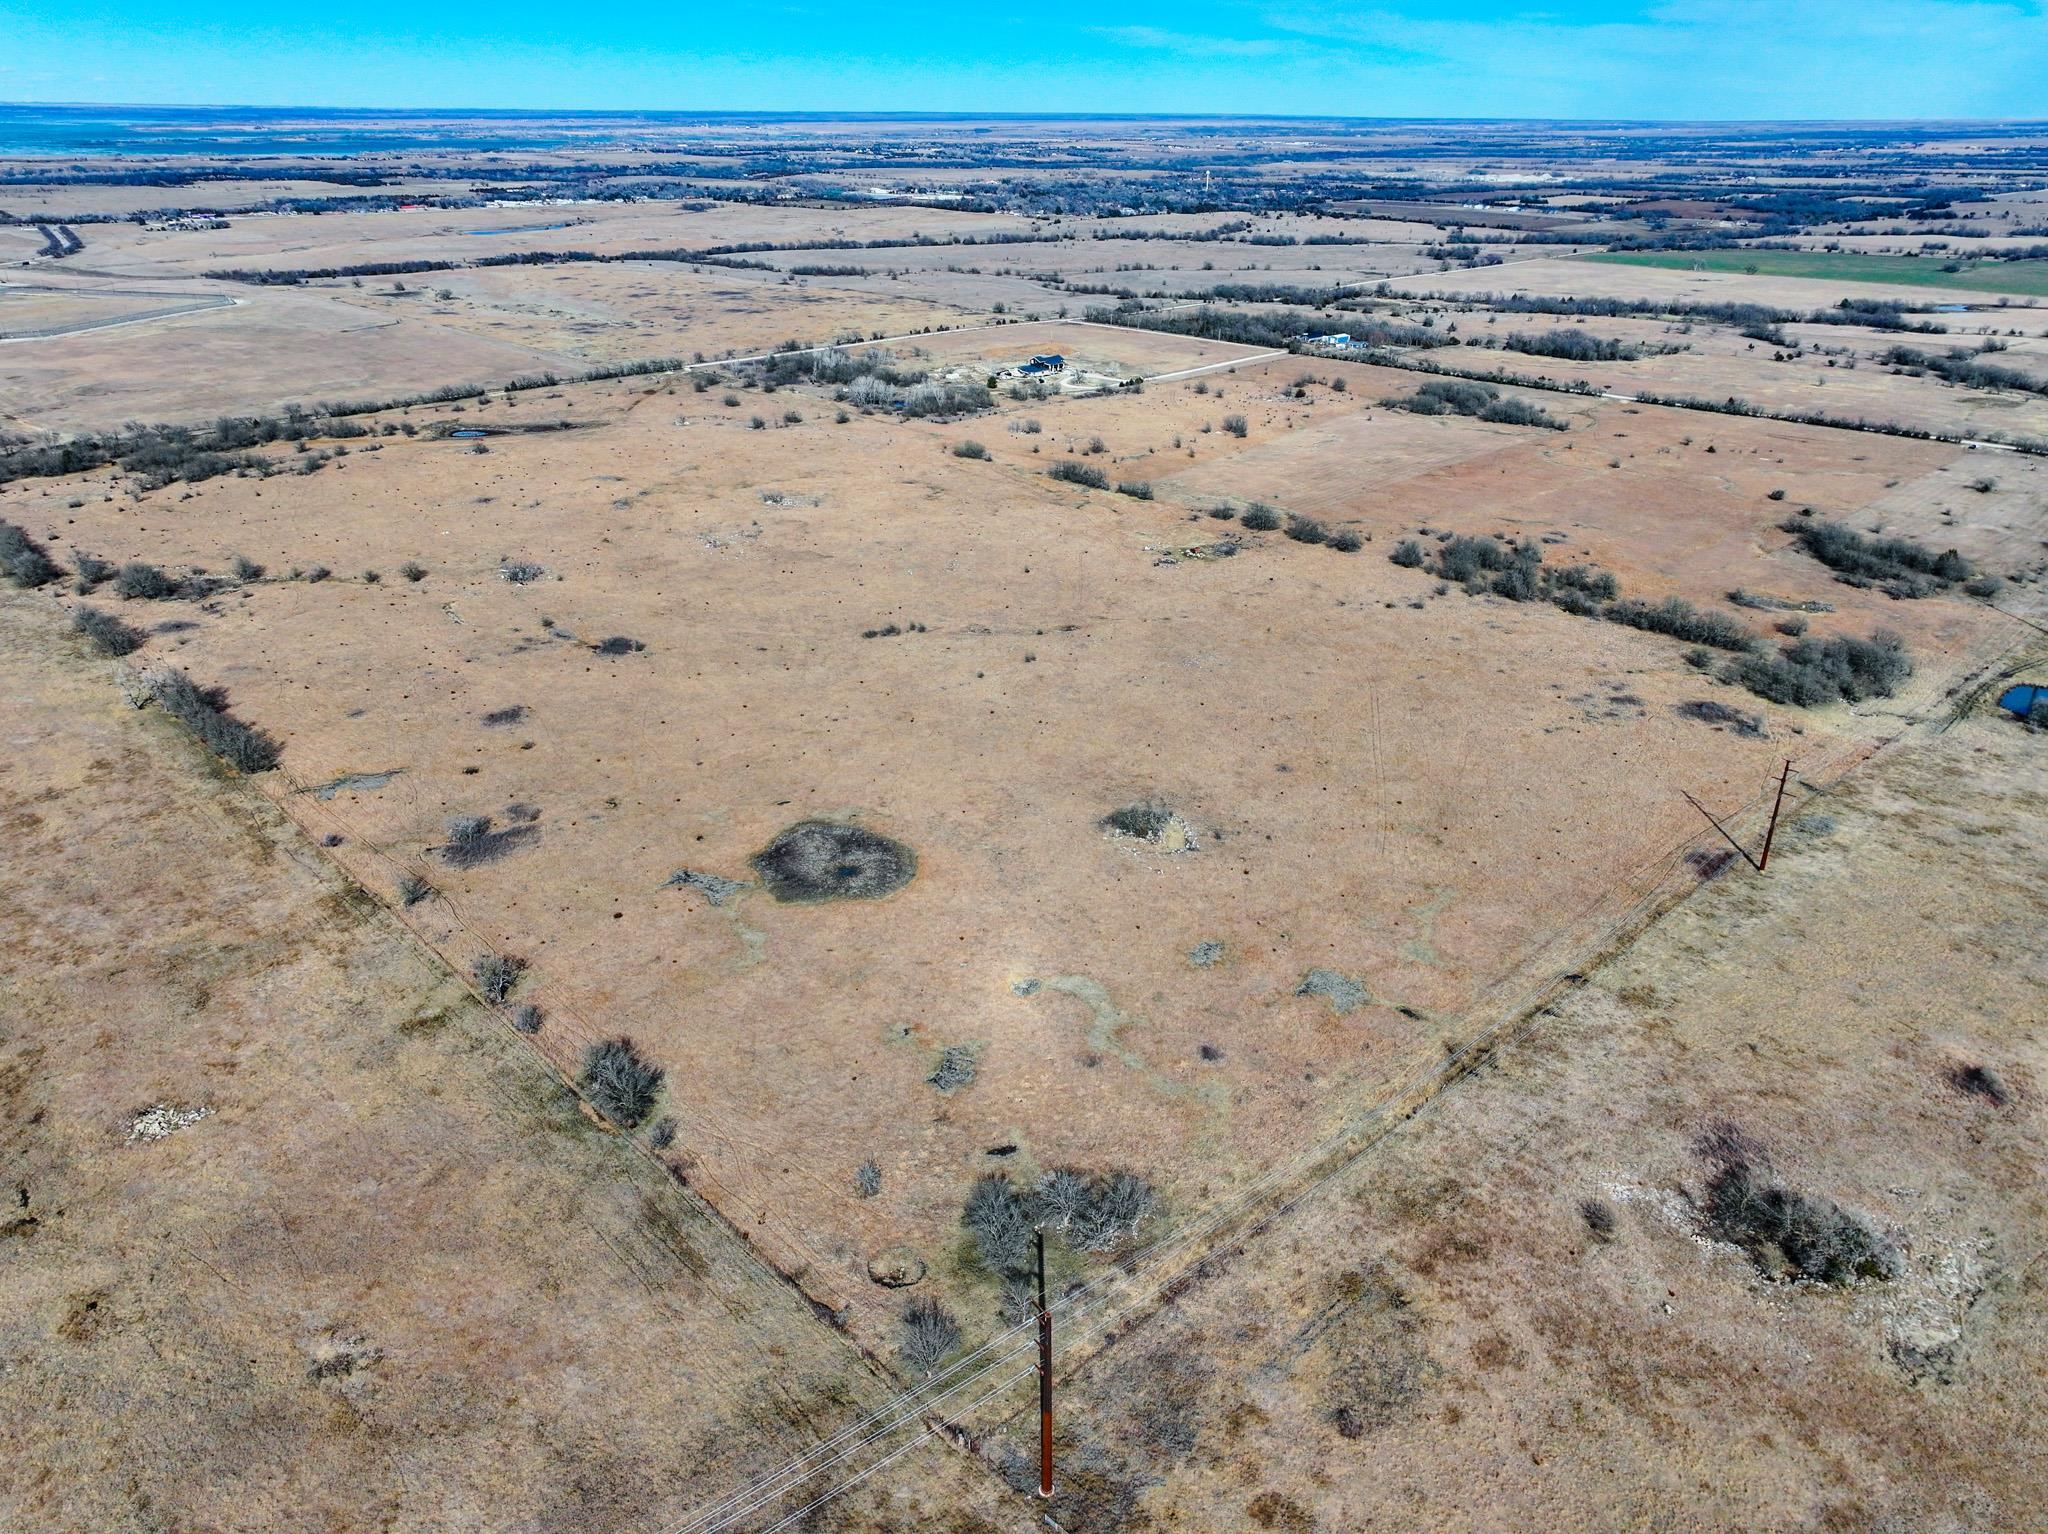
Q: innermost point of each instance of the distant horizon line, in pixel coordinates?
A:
(913, 114)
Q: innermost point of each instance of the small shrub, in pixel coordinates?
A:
(730, 400)
(1259, 517)
(91, 571)
(520, 572)
(757, 423)
(1222, 513)
(867, 1180)
(412, 889)
(1235, 425)
(245, 568)
(109, 635)
(1599, 1217)
(465, 831)
(318, 573)
(1307, 530)
(619, 1082)
(663, 1134)
(143, 582)
(527, 1018)
(371, 577)
(1787, 1234)
(618, 644)
(927, 1334)
(1775, 495)
(1407, 554)
(24, 559)
(1346, 542)
(969, 449)
(1075, 473)
(1136, 489)
(1791, 627)
(792, 418)
(1145, 822)
(496, 975)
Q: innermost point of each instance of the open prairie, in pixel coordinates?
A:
(625, 778)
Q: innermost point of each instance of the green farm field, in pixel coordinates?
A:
(2025, 277)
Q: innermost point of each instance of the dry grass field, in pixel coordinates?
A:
(272, 1305)
(926, 816)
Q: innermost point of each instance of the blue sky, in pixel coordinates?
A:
(1441, 58)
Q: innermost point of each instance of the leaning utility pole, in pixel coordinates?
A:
(1770, 832)
(1765, 861)
(1044, 1379)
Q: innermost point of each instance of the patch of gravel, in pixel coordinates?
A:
(956, 1067)
(1344, 994)
(714, 887)
(162, 1120)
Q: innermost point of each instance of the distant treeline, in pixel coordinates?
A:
(1871, 313)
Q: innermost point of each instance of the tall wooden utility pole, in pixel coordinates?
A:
(1765, 861)
(1044, 1379)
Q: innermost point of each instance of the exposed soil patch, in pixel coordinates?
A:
(823, 860)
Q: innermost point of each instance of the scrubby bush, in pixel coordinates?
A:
(1000, 1222)
(1136, 489)
(867, 1179)
(1077, 473)
(413, 571)
(927, 1334)
(204, 712)
(1259, 518)
(108, 634)
(496, 975)
(1787, 1234)
(24, 559)
(1811, 672)
(1681, 620)
(969, 449)
(143, 582)
(412, 889)
(1407, 554)
(619, 1082)
(91, 569)
(528, 1018)
(317, 573)
(1903, 567)
(618, 644)
(1306, 530)
(467, 830)
(245, 568)
(1346, 542)
(1235, 425)
(1464, 396)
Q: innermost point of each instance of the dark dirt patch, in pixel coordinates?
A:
(822, 860)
